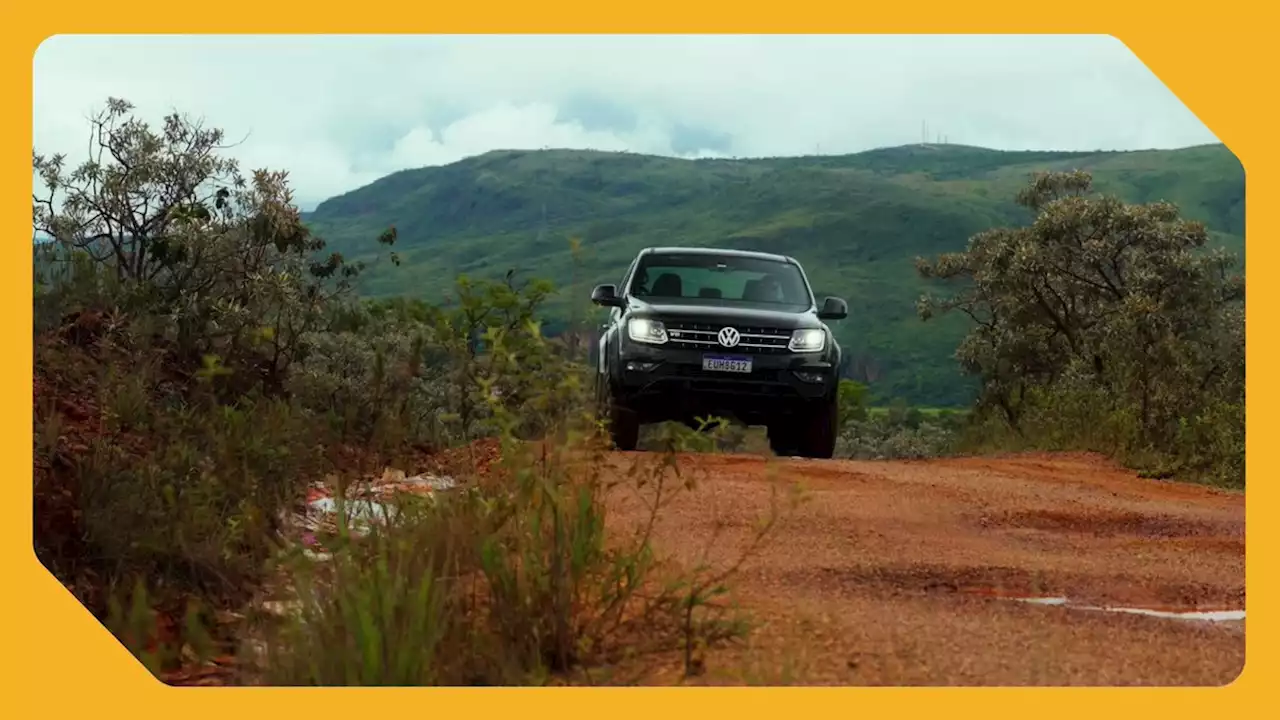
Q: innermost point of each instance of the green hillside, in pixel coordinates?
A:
(856, 222)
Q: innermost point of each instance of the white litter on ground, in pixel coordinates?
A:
(367, 504)
(354, 509)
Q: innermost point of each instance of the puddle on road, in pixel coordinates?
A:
(1195, 615)
(1044, 600)
(1206, 615)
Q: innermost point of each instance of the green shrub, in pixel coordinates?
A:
(197, 501)
(515, 580)
(1102, 325)
(901, 434)
(379, 613)
(852, 402)
(196, 376)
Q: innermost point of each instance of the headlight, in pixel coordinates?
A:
(807, 340)
(645, 330)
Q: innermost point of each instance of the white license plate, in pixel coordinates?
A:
(720, 363)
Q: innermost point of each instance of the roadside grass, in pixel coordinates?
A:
(167, 501)
(1211, 452)
(513, 580)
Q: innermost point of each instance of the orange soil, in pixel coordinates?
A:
(890, 573)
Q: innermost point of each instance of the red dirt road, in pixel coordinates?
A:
(892, 573)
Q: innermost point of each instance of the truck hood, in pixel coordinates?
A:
(709, 313)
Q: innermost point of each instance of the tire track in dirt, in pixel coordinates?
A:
(897, 572)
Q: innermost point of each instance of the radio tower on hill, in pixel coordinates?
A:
(939, 138)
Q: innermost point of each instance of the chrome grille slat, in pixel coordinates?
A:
(758, 336)
(691, 335)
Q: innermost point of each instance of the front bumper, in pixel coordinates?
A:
(669, 383)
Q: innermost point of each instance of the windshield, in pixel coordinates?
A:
(721, 279)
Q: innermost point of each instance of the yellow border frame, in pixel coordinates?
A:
(58, 659)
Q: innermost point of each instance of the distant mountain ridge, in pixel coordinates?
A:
(855, 221)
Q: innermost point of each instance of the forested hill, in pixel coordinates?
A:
(855, 221)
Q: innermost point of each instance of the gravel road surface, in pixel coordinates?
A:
(909, 573)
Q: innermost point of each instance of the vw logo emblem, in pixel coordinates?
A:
(728, 337)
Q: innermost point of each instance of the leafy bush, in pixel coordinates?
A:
(368, 376)
(515, 580)
(898, 435)
(164, 482)
(200, 363)
(1104, 325)
(852, 402)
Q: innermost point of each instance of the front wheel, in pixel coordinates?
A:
(624, 426)
(622, 422)
(818, 436)
(782, 439)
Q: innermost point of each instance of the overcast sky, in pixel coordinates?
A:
(340, 111)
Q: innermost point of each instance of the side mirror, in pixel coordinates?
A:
(833, 308)
(606, 295)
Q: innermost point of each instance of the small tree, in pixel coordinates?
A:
(463, 333)
(1118, 301)
(180, 233)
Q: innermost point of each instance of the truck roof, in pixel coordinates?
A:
(718, 251)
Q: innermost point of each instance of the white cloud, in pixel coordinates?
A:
(516, 127)
(341, 111)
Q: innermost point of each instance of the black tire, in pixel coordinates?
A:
(624, 426)
(818, 439)
(782, 440)
(602, 398)
(621, 423)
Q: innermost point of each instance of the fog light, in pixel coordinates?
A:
(809, 377)
(637, 366)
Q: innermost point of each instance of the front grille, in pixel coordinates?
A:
(702, 336)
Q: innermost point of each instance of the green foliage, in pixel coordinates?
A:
(852, 402)
(900, 432)
(198, 368)
(516, 580)
(174, 295)
(198, 499)
(856, 223)
(158, 223)
(1105, 324)
(369, 373)
(377, 614)
(482, 334)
